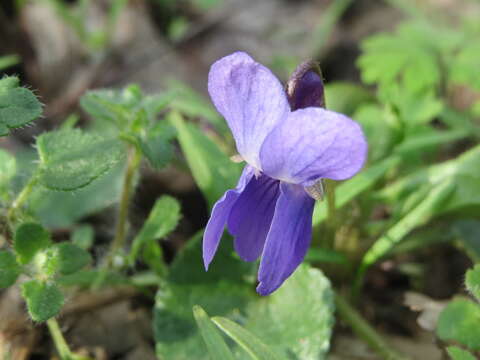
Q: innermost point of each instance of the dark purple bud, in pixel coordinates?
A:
(305, 87)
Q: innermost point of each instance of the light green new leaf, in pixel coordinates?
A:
(18, 106)
(457, 353)
(71, 159)
(216, 345)
(44, 300)
(65, 259)
(83, 236)
(252, 345)
(9, 269)
(162, 220)
(30, 238)
(472, 281)
(213, 171)
(459, 322)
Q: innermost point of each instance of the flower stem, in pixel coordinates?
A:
(20, 199)
(133, 163)
(59, 341)
(365, 331)
(331, 221)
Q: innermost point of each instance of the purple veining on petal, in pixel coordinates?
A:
(250, 98)
(288, 238)
(250, 218)
(220, 212)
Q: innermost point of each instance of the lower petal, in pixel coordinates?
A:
(288, 238)
(220, 212)
(250, 218)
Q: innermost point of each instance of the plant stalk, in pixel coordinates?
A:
(59, 341)
(20, 200)
(118, 242)
(365, 331)
(331, 220)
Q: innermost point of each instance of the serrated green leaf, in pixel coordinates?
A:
(71, 159)
(162, 220)
(216, 345)
(83, 236)
(66, 259)
(44, 300)
(30, 238)
(155, 144)
(213, 171)
(249, 342)
(18, 106)
(459, 322)
(9, 269)
(472, 281)
(457, 353)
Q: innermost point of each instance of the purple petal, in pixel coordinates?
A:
(220, 212)
(250, 218)
(288, 238)
(314, 143)
(251, 99)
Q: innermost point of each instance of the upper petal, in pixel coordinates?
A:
(288, 238)
(220, 212)
(314, 143)
(250, 218)
(250, 98)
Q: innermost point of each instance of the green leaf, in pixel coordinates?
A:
(420, 215)
(18, 106)
(66, 259)
(466, 231)
(8, 60)
(8, 169)
(44, 300)
(30, 238)
(212, 170)
(71, 159)
(345, 97)
(227, 290)
(86, 278)
(473, 281)
(162, 220)
(464, 67)
(9, 269)
(112, 106)
(155, 144)
(63, 209)
(457, 353)
(307, 294)
(459, 322)
(252, 345)
(83, 236)
(216, 346)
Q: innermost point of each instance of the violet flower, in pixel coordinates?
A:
(289, 144)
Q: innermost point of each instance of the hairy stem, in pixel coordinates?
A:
(365, 331)
(20, 200)
(59, 341)
(133, 163)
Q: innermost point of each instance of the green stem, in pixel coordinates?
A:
(59, 341)
(331, 220)
(365, 331)
(118, 243)
(20, 199)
